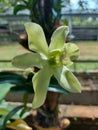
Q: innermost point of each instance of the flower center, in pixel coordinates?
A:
(54, 61)
(58, 58)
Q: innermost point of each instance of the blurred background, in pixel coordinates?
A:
(82, 18)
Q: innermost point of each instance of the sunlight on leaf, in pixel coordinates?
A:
(19, 125)
(3, 111)
(4, 89)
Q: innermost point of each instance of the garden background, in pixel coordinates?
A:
(82, 19)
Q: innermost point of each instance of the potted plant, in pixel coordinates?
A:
(53, 63)
(50, 55)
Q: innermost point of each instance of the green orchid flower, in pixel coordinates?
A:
(52, 60)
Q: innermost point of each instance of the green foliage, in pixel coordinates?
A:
(4, 89)
(19, 83)
(9, 112)
(46, 13)
(5, 108)
(6, 4)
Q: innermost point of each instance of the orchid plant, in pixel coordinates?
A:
(53, 60)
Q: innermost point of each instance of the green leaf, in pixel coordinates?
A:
(27, 60)
(58, 38)
(40, 84)
(36, 38)
(1, 122)
(4, 89)
(11, 114)
(25, 112)
(19, 7)
(26, 2)
(5, 107)
(54, 86)
(19, 82)
(3, 111)
(5, 104)
(67, 80)
(72, 50)
(11, 77)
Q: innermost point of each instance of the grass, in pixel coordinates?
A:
(88, 51)
(85, 66)
(8, 51)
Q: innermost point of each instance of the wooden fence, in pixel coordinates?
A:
(84, 62)
(85, 32)
(75, 63)
(13, 25)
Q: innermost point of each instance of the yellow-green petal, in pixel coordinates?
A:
(27, 60)
(72, 50)
(36, 38)
(67, 80)
(40, 83)
(18, 125)
(58, 38)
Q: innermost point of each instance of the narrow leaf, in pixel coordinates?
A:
(1, 122)
(19, 8)
(4, 89)
(3, 111)
(10, 114)
(54, 86)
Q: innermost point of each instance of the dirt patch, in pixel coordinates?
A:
(88, 50)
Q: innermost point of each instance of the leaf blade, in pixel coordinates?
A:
(19, 7)
(4, 89)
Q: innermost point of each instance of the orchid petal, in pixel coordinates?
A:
(67, 80)
(58, 38)
(72, 50)
(40, 83)
(27, 60)
(36, 38)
